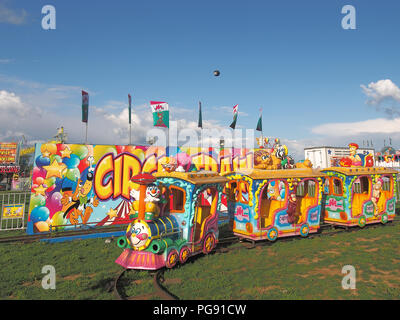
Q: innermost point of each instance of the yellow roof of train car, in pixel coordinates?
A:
(198, 177)
(281, 173)
(353, 171)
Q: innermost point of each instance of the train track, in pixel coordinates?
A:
(158, 280)
(55, 235)
(223, 247)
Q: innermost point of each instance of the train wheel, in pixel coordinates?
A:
(384, 218)
(304, 230)
(272, 234)
(184, 254)
(172, 259)
(209, 243)
(362, 221)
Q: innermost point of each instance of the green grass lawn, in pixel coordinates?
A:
(298, 269)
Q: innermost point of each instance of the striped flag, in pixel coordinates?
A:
(130, 106)
(235, 115)
(160, 113)
(85, 106)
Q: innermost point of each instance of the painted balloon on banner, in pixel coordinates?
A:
(42, 161)
(54, 203)
(39, 214)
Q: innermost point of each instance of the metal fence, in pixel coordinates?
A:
(14, 210)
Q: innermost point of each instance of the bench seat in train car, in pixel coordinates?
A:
(267, 204)
(357, 196)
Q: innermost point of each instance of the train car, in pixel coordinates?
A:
(356, 196)
(182, 222)
(268, 204)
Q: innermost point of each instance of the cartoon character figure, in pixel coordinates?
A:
(273, 192)
(305, 164)
(262, 159)
(293, 216)
(184, 162)
(169, 164)
(137, 234)
(153, 195)
(354, 157)
(79, 204)
(281, 152)
(376, 194)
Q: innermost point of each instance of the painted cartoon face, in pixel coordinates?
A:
(262, 156)
(281, 152)
(84, 188)
(152, 191)
(138, 235)
(271, 190)
(378, 185)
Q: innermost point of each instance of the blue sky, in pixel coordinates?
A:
(292, 58)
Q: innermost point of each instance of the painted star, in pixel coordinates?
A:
(66, 153)
(40, 190)
(112, 213)
(46, 154)
(55, 169)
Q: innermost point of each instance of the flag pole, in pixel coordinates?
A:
(167, 142)
(86, 133)
(200, 125)
(130, 120)
(262, 137)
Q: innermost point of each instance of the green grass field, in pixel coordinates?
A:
(298, 269)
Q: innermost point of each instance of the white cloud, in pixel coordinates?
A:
(12, 16)
(373, 126)
(11, 103)
(381, 90)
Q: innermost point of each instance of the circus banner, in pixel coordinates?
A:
(88, 186)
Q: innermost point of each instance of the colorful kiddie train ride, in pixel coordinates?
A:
(268, 204)
(359, 195)
(175, 216)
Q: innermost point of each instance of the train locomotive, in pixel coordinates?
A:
(175, 216)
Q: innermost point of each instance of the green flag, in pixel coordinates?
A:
(259, 124)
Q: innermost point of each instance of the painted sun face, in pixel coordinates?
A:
(138, 235)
